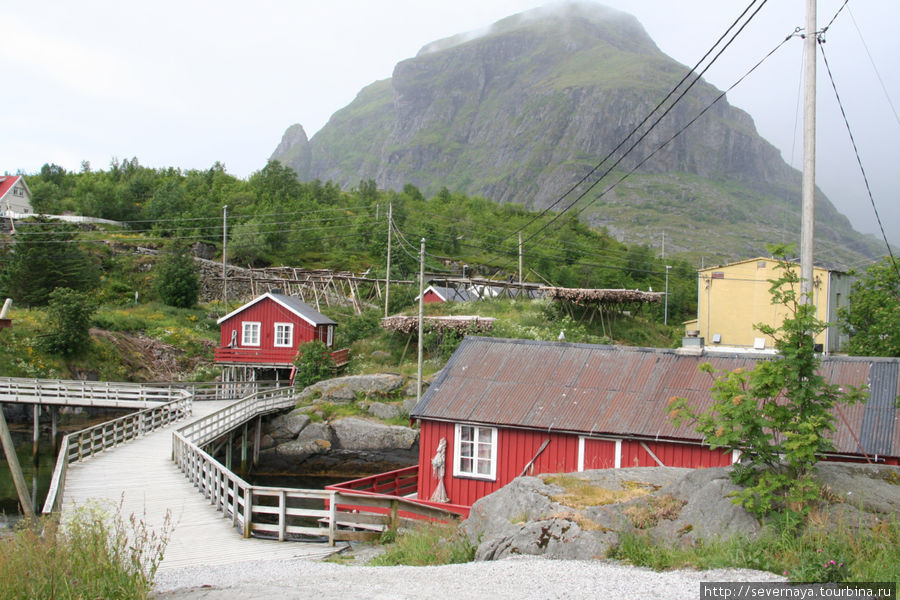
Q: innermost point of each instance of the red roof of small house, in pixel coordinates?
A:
(623, 391)
(294, 305)
(8, 181)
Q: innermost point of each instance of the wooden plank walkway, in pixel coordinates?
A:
(143, 477)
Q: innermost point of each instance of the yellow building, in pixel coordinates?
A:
(732, 298)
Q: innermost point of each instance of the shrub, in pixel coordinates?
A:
(427, 544)
(177, 283)
(69, 321)
(313, 363)
(95, 553)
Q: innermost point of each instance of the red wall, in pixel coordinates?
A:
(267, 313)
(516, 448)
(431, 298)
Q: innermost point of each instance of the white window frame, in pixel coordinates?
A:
(289, 328)
(459, 446)
(247, 333)
(330, 336)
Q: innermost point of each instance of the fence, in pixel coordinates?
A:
(105, 394)
(284, 513)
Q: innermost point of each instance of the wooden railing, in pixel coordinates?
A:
(219, 390)
(401, 482)
(99, 438)
(284, 513)
(270, 356)
(104, 394)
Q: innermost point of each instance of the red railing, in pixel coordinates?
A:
(341, 357)
(401, 483)
(255, 355)
(269, 356)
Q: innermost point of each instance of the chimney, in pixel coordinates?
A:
(691, 344)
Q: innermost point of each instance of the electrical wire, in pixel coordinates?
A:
(634, 130)
(661, 146)
(858, 159)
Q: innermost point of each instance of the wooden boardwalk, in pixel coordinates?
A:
(142, 476)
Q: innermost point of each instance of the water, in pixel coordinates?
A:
(37, 471)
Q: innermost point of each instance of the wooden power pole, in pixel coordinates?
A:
(808, 192)
(387, 275)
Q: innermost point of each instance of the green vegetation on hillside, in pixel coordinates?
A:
(274, 219)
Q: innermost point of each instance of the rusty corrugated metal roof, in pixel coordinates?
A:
(619, 390)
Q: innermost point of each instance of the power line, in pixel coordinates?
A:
(661, 146)
(649, 115)
(858, 159)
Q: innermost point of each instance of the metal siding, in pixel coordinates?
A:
(621, 391)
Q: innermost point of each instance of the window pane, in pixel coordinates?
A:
(465, 434)
(484, 435)
(484, 467)
(465, 465)
(466, 449)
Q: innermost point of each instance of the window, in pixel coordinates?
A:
(475, 452)
(250, 333)
(330, 334)
(284, 335)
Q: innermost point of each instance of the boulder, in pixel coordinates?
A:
(354, 433)
(345, 389)
(385, 411)
(316, 431)
(284, 428)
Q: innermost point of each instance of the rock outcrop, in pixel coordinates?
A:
(583, 515)
(306, 440)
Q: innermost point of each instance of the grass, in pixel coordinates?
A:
(580, 493)
(426, 544)
(822, 551)
(94, 554)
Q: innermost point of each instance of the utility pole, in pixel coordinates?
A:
(387, 275)
(520, 258)
(808, 192)
(224, 251)
(666, 317)
(421, 309)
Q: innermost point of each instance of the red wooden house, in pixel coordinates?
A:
(260, 339)
(510, 407)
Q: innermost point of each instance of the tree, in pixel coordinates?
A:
(69, 320)
(313, 363)
(778, 414)
(874, 314)
(177, 283)
(44, 257)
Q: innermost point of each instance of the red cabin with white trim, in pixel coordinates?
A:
(511, 407)
(265, 333)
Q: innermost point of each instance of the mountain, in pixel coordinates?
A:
(524, 111)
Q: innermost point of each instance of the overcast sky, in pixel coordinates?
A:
(187, 83)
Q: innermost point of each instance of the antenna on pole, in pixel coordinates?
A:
(224, 252)
(421, 309)
(808, 192)
(387, 275)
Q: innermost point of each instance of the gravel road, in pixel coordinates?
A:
(519, 578)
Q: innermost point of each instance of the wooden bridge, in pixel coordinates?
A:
(153, 462)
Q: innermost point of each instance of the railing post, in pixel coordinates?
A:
(332, 517)
(235, 494)
(395, 521)
(282, 515)
(248, 510)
